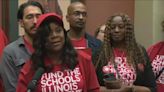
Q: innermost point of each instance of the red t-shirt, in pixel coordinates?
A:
(156, 54)
(82, 77)
(80, 43)
(125, 72)
(59, 80)
(81, 47)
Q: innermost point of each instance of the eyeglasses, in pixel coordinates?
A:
(78, 13)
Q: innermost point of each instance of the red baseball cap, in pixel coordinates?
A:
(49, 16)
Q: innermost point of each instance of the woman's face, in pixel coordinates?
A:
(117, 29)
(56, 39)
(100, 34)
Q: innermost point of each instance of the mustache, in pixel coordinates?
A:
(33, 27)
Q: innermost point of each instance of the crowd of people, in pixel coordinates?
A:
(48, 58)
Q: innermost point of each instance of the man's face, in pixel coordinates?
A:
(77, 15)
(30, 16)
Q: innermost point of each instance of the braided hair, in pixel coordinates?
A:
(134, 51)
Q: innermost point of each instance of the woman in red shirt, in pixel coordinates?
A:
(122, 59)
(55, 66)
(156, 54)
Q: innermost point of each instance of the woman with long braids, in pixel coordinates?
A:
(55, 66)
(125, 59)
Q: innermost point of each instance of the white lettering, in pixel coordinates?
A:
(61, 81)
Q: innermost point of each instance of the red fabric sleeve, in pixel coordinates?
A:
(3, 41)
(1, 86)
(160, 87)
(93, 84)
(25, 77)
(89, 75)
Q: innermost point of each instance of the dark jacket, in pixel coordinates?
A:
(93, 43)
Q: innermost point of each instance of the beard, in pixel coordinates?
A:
(29, 33)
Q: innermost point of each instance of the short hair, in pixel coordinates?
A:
(24, 5)
(72, 4)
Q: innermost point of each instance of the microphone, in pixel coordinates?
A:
(31, 86)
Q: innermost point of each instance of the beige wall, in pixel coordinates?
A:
(147, 21)
(100, 10)
(143, 21)
(158, 16)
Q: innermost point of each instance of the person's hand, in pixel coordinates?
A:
(125, 89)
(122, 89)
(133, 89)
(112, 84)
(140, 89)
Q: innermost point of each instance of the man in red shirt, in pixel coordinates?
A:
(81, 40)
